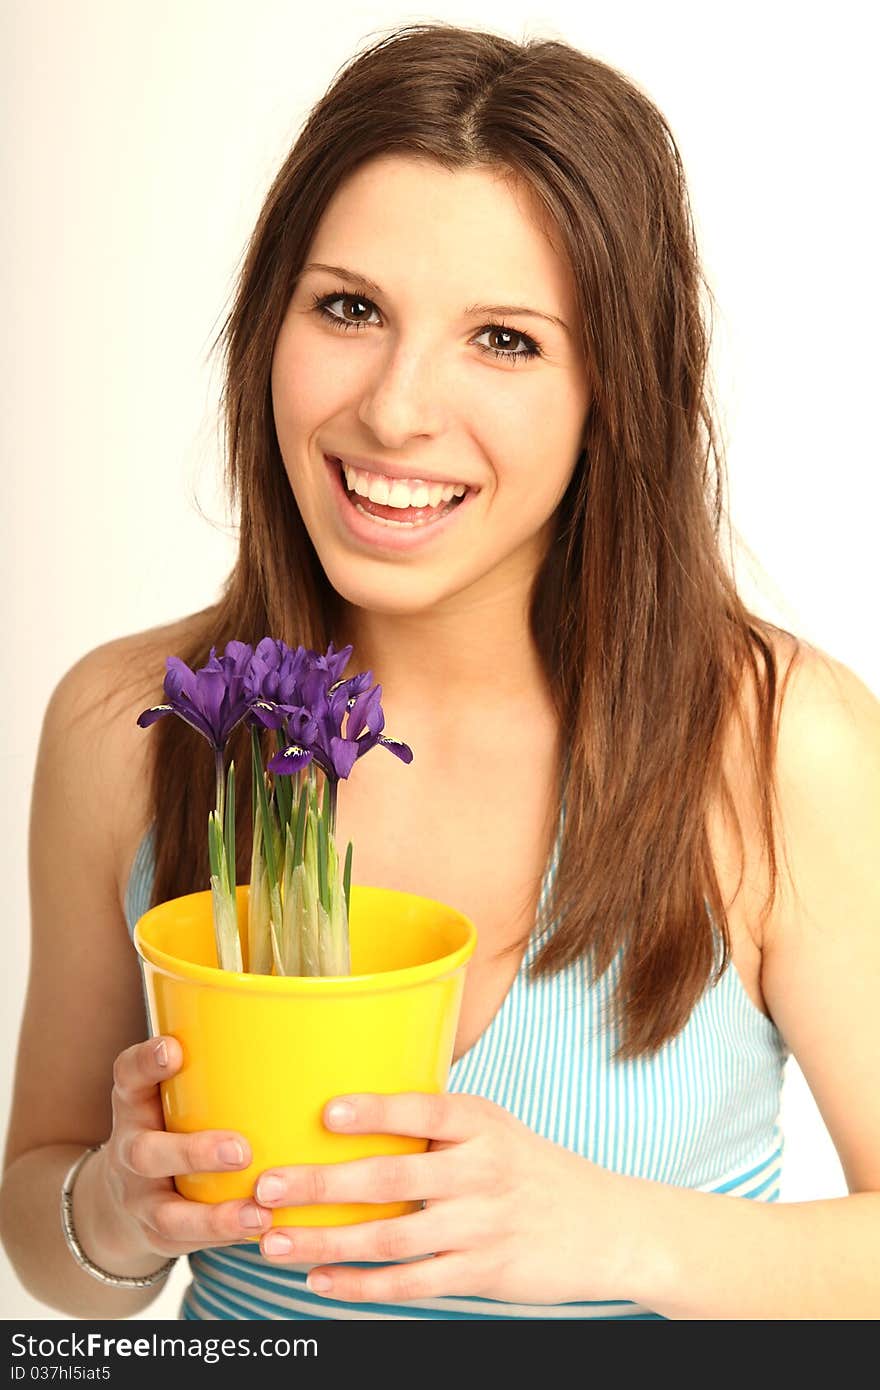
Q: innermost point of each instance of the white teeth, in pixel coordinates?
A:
(400, 493)
(377, 491)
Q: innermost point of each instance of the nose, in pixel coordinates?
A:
(404, 396)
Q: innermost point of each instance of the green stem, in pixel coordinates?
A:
(268, 836)
(301, 813)
(218, 768)
(346, 883)
(256, 774)
(323, 849)
(230, 829)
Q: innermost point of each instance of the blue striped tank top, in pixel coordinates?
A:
(702, 1113)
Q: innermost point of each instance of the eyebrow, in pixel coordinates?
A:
(354, 275)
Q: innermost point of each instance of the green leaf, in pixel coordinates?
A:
(259, 942)
(226, 935)
(337, 959)
(213, 838)
(299, 838)
(276, 949)
(230, 829)
(323, 895)
(291, 910)
(276, 914)
(310, 951)
(346, 881)
(256, 773)
(326, 949)
(268, 836)
(284, 796)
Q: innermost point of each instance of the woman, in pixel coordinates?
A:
(476, 270)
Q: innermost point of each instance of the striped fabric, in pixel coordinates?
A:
(702, 1113)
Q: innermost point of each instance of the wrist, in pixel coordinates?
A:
(108, 1238)
(640, 1261)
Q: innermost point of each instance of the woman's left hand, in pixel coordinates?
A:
(508, 1214)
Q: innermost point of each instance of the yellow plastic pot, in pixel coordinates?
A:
(263, 1054)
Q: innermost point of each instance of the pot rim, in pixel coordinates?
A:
(376, 982)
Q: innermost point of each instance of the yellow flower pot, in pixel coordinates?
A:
(263, 1054)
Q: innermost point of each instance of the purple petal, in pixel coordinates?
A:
(267, 713)
(399, 749)
(366, 713)
(155, 712)
(290, 760)
(179, 679)
(343, 755)
(196, 721)
(240, 652)
(209, 699)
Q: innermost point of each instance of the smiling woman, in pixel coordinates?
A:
(424, 395)
(468, 431)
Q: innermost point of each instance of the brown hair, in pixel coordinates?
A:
(638, 623)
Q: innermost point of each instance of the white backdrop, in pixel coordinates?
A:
(139, 140)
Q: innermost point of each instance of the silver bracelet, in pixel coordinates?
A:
(121, 1281)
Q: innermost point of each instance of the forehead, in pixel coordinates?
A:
(481, 230)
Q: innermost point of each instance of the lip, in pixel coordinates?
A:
(394, 470)
(386, 537)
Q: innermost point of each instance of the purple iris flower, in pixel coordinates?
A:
(213, 700)
(334, 753)
(276, 672)
(285, 683)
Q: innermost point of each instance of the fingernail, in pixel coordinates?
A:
(161, 1053)
(319, 1283)
(275, 1243)
(269, 1188)
(341, 1113)
(230, 1151)
(252, 1216)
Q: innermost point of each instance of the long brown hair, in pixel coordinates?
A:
(644, 640)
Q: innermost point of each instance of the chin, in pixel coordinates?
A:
(394, 595)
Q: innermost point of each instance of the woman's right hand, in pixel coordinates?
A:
(141, 1158)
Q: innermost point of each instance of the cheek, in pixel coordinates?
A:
(304, 392)
(532, 470)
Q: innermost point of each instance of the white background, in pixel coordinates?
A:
(139, 140)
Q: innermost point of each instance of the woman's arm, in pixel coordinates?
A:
(84, 1005)
(697, 1255)
(30, 1225)
(700, 1255)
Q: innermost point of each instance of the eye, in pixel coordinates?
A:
(532, 349)
(529, 348)
(322, 303)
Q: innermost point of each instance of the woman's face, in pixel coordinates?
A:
(413, 389)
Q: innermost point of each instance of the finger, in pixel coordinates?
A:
(157, 1153)
(177, 1221)
(401, 1238)
(421, 1114)
(138, 1070)
(443, 1275)
(385, 1178)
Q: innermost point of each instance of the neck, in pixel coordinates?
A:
(468, 661)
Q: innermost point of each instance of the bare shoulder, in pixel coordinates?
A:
(95, 706)
(821, 974)
(84, 1000)
(822, 728)
(828, 777)
(736, 821)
